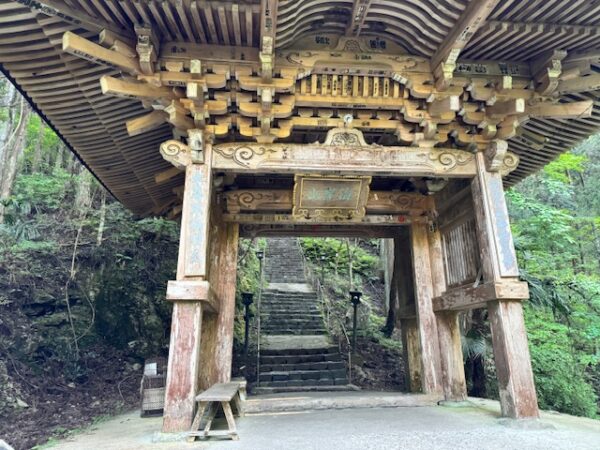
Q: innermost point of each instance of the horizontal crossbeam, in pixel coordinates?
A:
(193, 290)
(468, 297)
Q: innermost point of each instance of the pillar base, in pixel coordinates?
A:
(518, 398)
(182, 375)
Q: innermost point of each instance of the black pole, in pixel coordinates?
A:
(247, 301)
(355, 299)
(354, 328)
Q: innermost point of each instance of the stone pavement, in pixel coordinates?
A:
(426, 427)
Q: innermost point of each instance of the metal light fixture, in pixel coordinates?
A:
(355, 299)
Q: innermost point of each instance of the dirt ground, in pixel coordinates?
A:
(56, 406)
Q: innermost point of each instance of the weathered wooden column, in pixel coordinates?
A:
(412, 354)
(426, 321)
(190, 293)
(451, 357)
(217, 329)
(499, 264)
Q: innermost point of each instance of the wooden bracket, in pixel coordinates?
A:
(469, 297)
(193, 290)
(495, 154)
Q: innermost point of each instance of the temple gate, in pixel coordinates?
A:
(373, 118)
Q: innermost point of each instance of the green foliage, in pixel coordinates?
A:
(338, 254)
(560, 379)
(567, 162)
(555, 215)
(39, 192)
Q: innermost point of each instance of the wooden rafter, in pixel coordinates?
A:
(360, 9)
(474, 16)
(74, 16)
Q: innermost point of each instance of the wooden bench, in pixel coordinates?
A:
(208, 401)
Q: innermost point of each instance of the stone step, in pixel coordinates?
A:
(264, 389)
(276, 293)
(299, 359)
(294, 331)
(267, 316)
(287, 320)
(324, 365)
(296, 375)
(328, 350)
(282, 308)
(304, 383)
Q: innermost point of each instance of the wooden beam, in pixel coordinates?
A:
(85, 49)
(73, 16)
(193, 290)
(127, 89)
(444, 59)
(145, 123)
(572, 110)
(268, 31)
(469, 297)
(443, 106)
(579, 85)
(166, 175)
(360, 8)
(289, 219)
(319, 158)
(281, 200)
(329, 230)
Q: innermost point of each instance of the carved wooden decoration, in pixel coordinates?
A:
(330, 198)
(252, 200)
(290, 158)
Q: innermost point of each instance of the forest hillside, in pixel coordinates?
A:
(82, 285)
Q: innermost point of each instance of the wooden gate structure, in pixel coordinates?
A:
(401, 119)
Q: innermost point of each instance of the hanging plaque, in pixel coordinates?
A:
(330, 198)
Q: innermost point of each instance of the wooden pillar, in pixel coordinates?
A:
(511, 353)
(453, 369)
(217, 333)
(426, 321)
(190, 291)
(412, 354)
(451, 357)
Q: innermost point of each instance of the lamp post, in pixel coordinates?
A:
(322, 259)
(247, 299)
(355, 299)
(260, 255)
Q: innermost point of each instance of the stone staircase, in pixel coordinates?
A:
(296, 354)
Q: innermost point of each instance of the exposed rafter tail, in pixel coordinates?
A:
(444, 59)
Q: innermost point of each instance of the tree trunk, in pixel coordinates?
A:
(58, 162)
(102, 218)
(13, 151)
(83, 195)
(37, 151)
